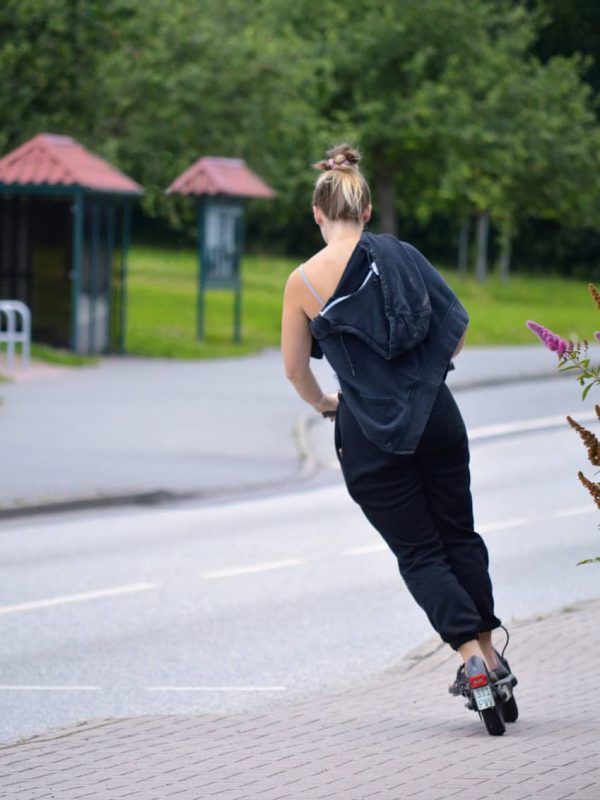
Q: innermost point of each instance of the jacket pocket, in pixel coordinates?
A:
(382, 409)
(385, 418)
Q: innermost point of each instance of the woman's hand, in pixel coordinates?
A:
(327, 404)
(460, 344)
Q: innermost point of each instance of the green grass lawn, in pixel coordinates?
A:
(161, 314)
(499, 311)
(54, 355)
(162, 306)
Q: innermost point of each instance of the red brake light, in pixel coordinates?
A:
(476, 681)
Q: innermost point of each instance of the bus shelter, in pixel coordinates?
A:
(221, 186)
(65, 217)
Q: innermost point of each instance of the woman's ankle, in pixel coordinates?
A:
(489, 654)
(469, 649)
(481, 647)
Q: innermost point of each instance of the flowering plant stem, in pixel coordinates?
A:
(588, 376)
(574, 356)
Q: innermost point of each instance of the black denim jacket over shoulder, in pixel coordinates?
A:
(389, 332)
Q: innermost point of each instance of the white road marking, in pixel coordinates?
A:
(216, 688)
(503, 524)
(575, 511)
(506, 429)
(523, 425)
(370, 548)
(34, 688)
(488, 527)
(251, 568)
(78, 598)
(379, 547)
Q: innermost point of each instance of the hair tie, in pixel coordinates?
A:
(336, 165)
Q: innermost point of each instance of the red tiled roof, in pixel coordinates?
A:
(50, 160)
(213, 175)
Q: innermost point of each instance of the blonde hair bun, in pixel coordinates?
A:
(341, 191)
(339, 157)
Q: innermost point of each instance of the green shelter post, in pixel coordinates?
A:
(240, 227)
(93, 284)
(108, 270)
(76, 268)
(125, 236)
(201, 303)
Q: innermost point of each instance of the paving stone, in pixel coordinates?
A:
(367, 743)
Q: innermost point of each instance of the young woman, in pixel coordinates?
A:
(389, 325)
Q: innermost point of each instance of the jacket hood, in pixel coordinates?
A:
(381, 298)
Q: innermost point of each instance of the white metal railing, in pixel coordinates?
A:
(13, 334)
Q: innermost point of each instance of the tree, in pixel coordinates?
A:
(453, 114)
(456, 117)
(568, 29)
(520, 140)
(199, 77)
(392, 68)
(50, 53)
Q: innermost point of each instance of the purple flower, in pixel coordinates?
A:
(597, 335)
(549, 339)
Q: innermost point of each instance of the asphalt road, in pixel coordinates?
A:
(132, 426)
(246, 604)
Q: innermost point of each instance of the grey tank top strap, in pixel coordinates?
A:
(310, 286)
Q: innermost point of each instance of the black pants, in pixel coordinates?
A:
(421, 505)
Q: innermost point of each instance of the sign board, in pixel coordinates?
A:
(222, 244)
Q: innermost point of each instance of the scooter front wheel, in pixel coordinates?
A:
(510, 710)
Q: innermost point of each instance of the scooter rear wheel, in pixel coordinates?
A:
(493, 720)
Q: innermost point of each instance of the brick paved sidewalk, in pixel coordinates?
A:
(401, 736)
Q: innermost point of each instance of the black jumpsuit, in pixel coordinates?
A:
(421, 505)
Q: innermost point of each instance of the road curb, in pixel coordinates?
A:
(432, 653)
(425, 658)
(63, 731)
(84, 502)
(307, 423)
(148, 499)
(484, 383)
(309, 467)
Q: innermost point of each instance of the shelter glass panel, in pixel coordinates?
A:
(117, 280)
(93, 310)
(15, 250)
(50, 228)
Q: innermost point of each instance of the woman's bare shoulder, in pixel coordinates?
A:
(320, 259)
(294, 283)
(295, 276)
(309, 265)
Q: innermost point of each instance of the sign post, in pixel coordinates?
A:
(221, 184)
(220, 244)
